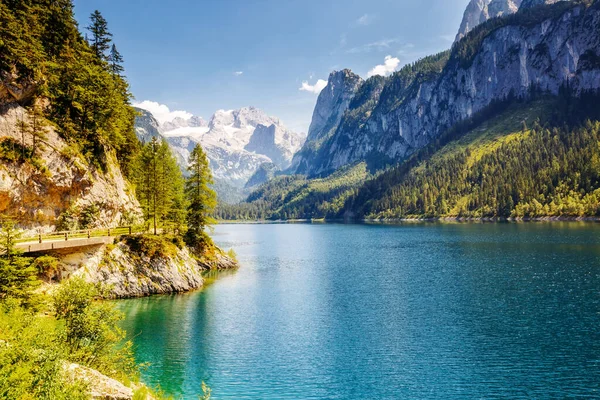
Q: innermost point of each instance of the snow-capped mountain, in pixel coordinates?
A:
(237, 142)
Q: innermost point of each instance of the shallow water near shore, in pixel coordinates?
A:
(384, 311)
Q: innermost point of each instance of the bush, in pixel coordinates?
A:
(90, 330)
(31, 361)
(47, 266)
(152, 246)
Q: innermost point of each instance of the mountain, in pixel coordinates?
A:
(178, 123)
(332, 103)
(479, 11)
(263, 174)
(146, 126)
(237, 143)
(537, 49)
(506, 124)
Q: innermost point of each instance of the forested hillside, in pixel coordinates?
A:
(66, 124)
(295, 197)
(44, 56)
(516, 159)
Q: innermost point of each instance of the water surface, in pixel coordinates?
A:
(385, 312)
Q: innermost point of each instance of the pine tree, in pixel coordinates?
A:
(17, 275)
(37, 127)
(160, 186)
(202, 200)
(101, 37)
(115, 60)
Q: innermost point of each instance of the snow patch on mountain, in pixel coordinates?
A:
(237, 142)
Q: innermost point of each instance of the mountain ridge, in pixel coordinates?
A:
(538, 48)
(237, 143)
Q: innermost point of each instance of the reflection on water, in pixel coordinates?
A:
(384, 312)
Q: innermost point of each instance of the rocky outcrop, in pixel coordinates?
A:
(332, 103)
(129, 272)
(271, 142)
(100, 386)
(15, 90)
(146, 126)
(479, 11)
(558, 44)
(56, 181)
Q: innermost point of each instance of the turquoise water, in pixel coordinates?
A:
(385, 312)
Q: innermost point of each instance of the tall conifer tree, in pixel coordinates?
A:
(202, 200)
(101, 37)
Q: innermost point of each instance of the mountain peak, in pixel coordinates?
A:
(479, 11)
(333, 100)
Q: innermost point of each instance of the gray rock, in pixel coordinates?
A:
(129, 274)
(332, 102)
(479, 11)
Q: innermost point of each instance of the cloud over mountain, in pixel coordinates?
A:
(316, 88)
(161, 112)
(390, 64)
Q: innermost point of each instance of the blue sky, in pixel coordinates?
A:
(201, 56)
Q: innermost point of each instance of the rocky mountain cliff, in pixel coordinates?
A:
(332, 103)
(542, 48)
(55, 184)
(237, 142)
(479, 11)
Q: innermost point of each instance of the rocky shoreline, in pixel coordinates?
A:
(127, 273)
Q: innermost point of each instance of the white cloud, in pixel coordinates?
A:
(365, 20)
(390, 64)
(316, 88)
(238, 73)
(161, 112)
(380, 45)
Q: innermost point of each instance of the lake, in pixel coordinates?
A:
(417, 310)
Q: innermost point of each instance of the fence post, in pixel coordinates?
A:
(109, 232)
(40, 238)
(130, 230)
(89, 234)
(66, 236)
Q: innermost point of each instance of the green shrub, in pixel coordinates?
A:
(47, 266)
(30, 359)
(152, 246)
(90, 330)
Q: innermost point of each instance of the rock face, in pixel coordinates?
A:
(178, 123)
(237, 142)
(274, 142)
(420, 102)
(264, 173)
(101, 387)
(130, 274)
(58, 181)
(146, 126)
(332, 103)
(479, 11)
